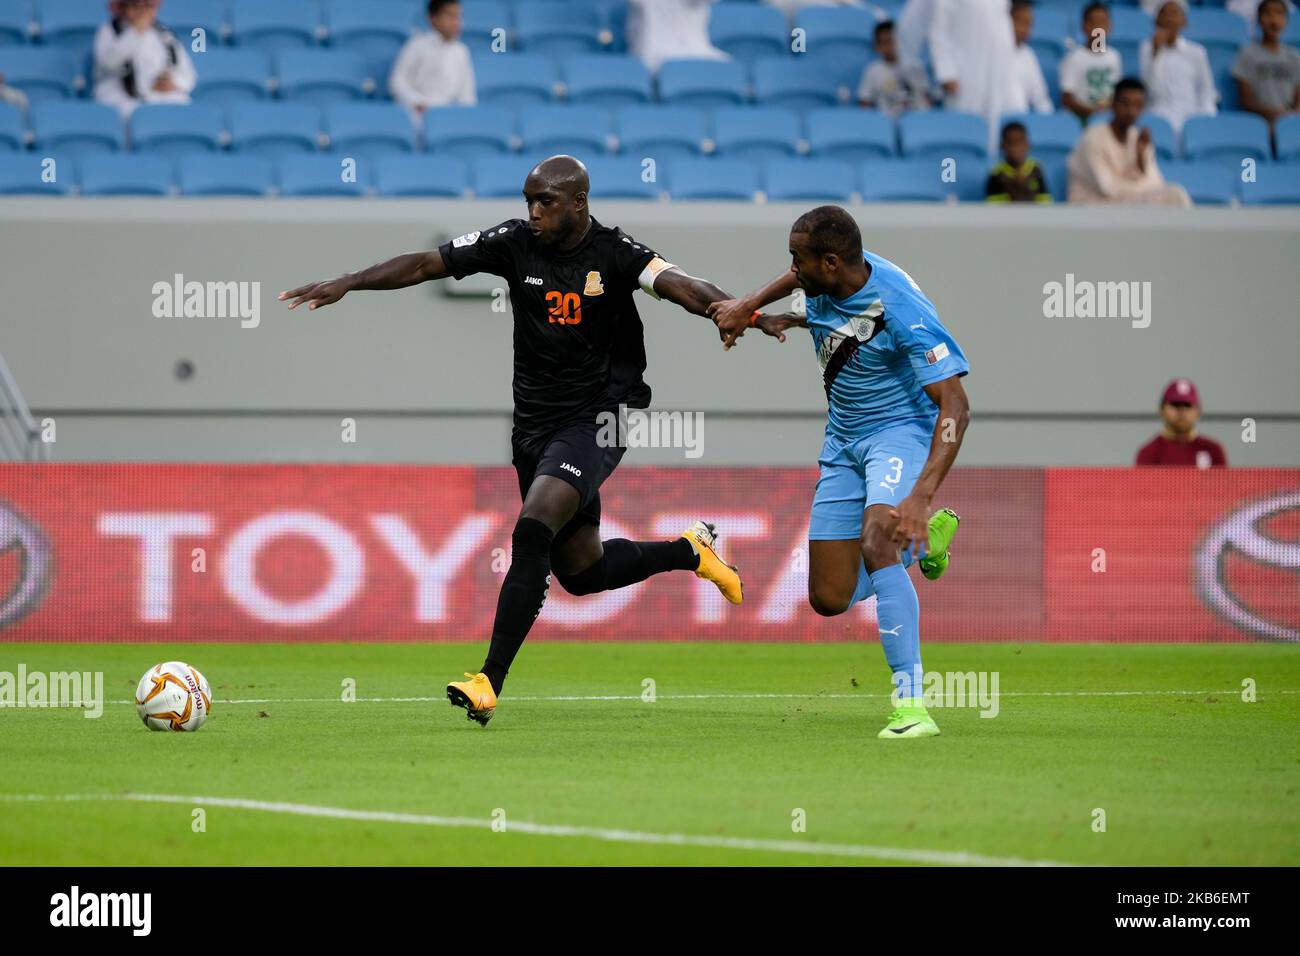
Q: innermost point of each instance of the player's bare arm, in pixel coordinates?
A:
(732, 316)
(949, 429)
(694, 295)
(396, 273)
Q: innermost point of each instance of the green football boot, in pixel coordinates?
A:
(911, 719)
(943, 526)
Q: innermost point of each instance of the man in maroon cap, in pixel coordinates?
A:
(1178, 442)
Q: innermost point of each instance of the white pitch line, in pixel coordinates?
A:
(637, 697)
(899, 854)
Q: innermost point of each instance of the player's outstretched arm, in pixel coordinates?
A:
(397, 273)
(692, 294)
(954, 416)
(732, 316)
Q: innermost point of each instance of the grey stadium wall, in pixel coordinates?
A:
(425, 372)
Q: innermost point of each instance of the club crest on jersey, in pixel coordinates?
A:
(593, 286)
(466, 240)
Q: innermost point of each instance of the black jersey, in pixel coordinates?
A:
(579, 344)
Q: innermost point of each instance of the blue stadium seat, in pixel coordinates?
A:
(1276, 184)
(374, 29)
(1221, 69)
(1058, 177)
(502, 176)
(1213, 28)
(183, 16)
(662, 133)
(70, 24)
(794, 83)
(13, 136)
(756, 134)
(123, 174)
(1291, 32)
(902, 180)
(839, 39)
(1127, 24)
(620, 177)
(702, 84)
(270, 129)
(1052, 26)
(226, 77)
(557, 29)
(515, 80)
(1050, 134)
(1129, 58)
(1209, 184)
(607, 80)
(565, 129)
(27, 174)
(482, 19)
(1049, 61)
(713, 179)
(853, 135)
(941, 134)
(1162, 134)
(1228, 137)
(1287, 133)
(808, 179)
(173, 130)
(42, 73)
(282, 25)
(398, 174)
(323, 76)
(748, 32)
(220, 174)
(469, 131)
(75, 128)
(369, 129)
(321, 176)
(17, 19)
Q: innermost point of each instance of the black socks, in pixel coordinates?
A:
(522, 594)
(627, 562)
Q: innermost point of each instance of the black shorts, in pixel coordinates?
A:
(571, 454)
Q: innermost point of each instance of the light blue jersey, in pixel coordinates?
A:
(877, 348)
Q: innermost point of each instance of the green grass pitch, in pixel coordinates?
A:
(741, 742)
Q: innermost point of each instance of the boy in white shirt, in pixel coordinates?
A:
(137, 60)
(1176, 70)
(1027, 73)
(434, 68)
(1089, 72)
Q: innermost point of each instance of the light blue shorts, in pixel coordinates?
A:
(880, 469)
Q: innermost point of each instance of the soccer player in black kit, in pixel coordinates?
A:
(579, 351)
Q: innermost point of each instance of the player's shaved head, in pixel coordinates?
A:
(830, 229)
(556, 193)
(560, 174)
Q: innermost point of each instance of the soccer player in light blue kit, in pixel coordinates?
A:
(897, 414)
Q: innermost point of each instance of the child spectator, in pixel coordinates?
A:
(138, 60)
(1089, 72)
(1176, 70)
(1268, 72)
(434, 68)
(1027, 74)
(891, 84)
(1018, 178)
(1115, 162)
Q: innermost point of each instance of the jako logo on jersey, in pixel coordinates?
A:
(569, 468)
(593, 286)
(466, 240)
(1241, 568)
(532, 280)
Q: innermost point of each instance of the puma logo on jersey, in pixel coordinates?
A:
(576, 472)
(532, 280)
(593, 286)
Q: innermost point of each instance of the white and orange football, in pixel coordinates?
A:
(173, 696)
